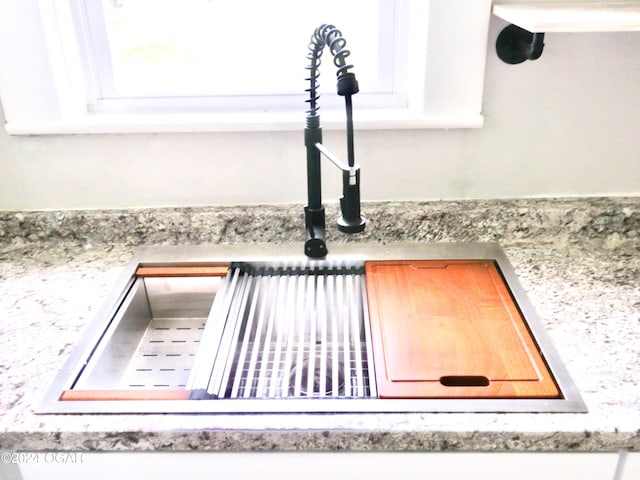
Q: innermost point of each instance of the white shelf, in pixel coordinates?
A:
(571, 16)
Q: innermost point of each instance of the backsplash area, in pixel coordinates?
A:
(613, 219)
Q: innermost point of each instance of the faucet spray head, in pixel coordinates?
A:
(347, 84)
(351, 221)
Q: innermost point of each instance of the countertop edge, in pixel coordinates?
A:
(322, 441)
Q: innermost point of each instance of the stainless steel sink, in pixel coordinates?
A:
(260, 329)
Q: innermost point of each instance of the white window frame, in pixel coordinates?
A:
(46, 83)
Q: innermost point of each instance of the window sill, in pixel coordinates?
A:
(111, 123)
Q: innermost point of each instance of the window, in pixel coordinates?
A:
(229, 56)
(212, 48)
(206, 65)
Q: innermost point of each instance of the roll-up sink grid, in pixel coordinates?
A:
(225, 329)
(286, 331)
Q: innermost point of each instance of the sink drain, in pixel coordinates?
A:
(317, 378)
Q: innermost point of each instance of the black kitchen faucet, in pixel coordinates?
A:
(351, 221)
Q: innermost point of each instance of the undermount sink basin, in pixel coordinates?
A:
(371, 328)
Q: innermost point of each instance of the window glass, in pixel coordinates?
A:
(148, 48)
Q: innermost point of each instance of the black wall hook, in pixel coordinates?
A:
(515, 45)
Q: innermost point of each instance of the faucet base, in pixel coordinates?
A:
(315, 245)
(315, 248)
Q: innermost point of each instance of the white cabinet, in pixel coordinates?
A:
(330, 465)
(631, 468)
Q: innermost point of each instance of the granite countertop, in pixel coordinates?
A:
(578, 260)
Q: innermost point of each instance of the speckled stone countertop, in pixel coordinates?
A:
(578, 260)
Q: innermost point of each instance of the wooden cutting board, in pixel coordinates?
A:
(451, 329)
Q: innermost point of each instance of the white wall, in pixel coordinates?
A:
(567, 124)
